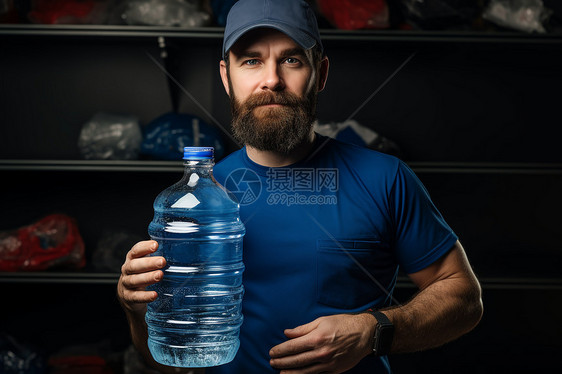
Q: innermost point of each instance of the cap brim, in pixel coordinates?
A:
(301, 38)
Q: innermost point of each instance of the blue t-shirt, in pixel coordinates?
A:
(326, 236)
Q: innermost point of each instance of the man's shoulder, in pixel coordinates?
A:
(359, 157)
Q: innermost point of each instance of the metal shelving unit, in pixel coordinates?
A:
(38, 33)
(94, 166)
(88, 277)
(329, 35)
(177, 166)
(59, 277)
(80, 305)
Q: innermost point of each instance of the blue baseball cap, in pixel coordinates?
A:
(295, 18)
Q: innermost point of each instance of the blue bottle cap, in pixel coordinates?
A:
(198, 153)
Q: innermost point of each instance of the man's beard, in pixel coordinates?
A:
(277, 129)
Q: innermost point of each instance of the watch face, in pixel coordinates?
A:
(384, 332)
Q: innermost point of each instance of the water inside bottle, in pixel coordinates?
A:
(196, 318)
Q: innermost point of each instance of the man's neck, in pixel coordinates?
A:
(274, 159)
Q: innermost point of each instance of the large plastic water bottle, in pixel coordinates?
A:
(195, 320)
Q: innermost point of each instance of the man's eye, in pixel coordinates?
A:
(292, 61)
(251, 62)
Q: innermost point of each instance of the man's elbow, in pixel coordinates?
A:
(474, 306)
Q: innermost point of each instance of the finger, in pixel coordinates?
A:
(142, 249)
(139, 297)
(292, 347)
(132, 287)
(301, 330)
(301, 361)
(313, 369)
(143, 265)
(140, 281)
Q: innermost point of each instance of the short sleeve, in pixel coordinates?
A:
(421, 234)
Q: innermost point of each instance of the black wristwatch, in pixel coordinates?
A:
(384, 332)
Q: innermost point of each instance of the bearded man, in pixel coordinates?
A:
(328, 228)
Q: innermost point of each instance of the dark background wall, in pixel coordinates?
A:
(492, 109)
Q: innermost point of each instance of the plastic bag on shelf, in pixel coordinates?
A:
(18, 358)
(68, 11)
(166, 136)
(53, 241)
(523, 15)
(355, 14)
(110, 137)
(441, 14)
(182, 13)
(8, 12)
(112, 248)
(353, 132)
(97, 357)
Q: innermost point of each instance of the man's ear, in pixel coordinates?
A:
(224, 76)
(324, 67)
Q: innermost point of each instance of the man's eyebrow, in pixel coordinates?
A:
(248, 53)
(293, 52)
(245, 54)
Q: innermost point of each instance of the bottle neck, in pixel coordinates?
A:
(201, 167)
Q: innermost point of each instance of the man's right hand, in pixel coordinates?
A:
(139, 271)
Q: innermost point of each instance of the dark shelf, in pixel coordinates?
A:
(402, 282)
(59, 277)
(216, 33)
(441, 37)
(108, 31)
(487, 167)
(485, 101)
(177, 166)
(87, 165)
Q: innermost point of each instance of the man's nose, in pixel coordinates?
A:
(272, 79)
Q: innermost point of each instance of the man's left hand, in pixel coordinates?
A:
(330, 344)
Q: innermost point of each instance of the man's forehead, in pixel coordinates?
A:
(262, 37)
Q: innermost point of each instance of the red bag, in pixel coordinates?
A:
(64, 12)
(355, 14)
(79, 365)
(53, 241)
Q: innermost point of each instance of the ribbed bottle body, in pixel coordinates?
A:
(196, 318)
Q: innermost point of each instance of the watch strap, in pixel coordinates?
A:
(380, 316)
(384, 333)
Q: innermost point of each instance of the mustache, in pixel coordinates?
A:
(268, 98)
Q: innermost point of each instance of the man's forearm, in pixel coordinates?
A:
(438, 314)
(139, 334)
